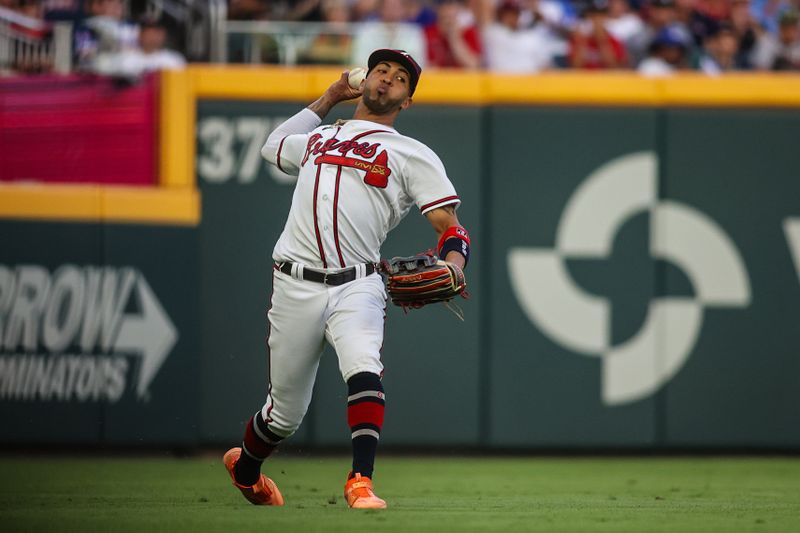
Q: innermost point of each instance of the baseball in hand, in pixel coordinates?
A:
(356, 76)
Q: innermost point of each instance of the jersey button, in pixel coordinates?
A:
(325, 228)
(325, 197)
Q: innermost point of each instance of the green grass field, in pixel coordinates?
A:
(424, 494)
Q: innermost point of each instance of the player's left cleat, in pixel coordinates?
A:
(359, 495)
(264, 492)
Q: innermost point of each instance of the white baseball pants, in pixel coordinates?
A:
(305, 314)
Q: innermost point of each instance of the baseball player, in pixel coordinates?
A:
(356, 179)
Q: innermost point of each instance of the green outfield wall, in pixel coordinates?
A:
(635, 283)
(632, 284)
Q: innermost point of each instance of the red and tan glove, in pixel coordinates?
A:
(419, 280)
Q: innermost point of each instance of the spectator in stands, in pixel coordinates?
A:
(419, 12)
(510, 47)
(556, 19)
(105, 31)
(364, 10)
(719, 10)
(391, 31)
(557, 14)
(781, 52)
(623, 23)
(453, 40)
(149, 56)
(668, 52)
(659, 14)
(768, 13)
(747, 31)
(719, 51)
(331, 47)
(592, 45)
(699, 22)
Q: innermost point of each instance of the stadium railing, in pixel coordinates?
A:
(197, 23)
(28, 44)
(290, 38)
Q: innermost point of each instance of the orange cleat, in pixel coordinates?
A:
(359, 495)
(264, 492)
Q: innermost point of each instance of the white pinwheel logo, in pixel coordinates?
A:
(580, 321)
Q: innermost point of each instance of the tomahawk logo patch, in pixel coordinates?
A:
(376, 172)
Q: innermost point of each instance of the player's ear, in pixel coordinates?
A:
(406, 103)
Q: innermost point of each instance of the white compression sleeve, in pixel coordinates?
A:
(303, 122)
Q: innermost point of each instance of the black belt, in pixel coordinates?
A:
(335, 278)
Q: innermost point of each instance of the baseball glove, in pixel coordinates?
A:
(419, 280)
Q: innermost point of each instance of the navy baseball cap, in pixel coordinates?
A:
(672, 35)
(398, 56)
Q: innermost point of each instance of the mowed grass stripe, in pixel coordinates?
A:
(424, 494)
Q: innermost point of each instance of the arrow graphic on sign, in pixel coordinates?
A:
(151, 335)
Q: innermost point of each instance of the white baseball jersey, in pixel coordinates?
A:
(356, 181)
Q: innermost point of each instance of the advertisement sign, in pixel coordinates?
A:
(97, 332)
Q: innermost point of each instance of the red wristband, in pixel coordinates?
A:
(453, 231)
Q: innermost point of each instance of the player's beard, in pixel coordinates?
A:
(380, 104)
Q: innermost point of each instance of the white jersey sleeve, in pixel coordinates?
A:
(289, 154)
(427, 182)
(286, 144)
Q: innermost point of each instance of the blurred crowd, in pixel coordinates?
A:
(106, 42)
(105, 38)
(655, 37)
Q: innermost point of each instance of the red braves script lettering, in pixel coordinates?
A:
(315, 147)
(377, 171)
